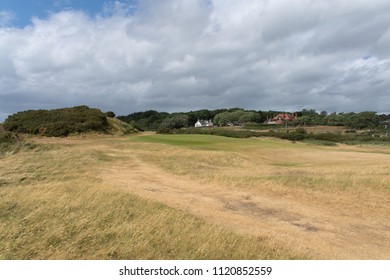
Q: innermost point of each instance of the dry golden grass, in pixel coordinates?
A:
(333, 200)
(194, 197)
(54, 205)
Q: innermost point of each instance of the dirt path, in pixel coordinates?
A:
(314, 230)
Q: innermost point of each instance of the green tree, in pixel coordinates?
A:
(362, 120)
(249, 117)
(222, 118)
(175, 121)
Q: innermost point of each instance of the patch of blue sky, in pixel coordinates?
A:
(20, 12)
(367, 56)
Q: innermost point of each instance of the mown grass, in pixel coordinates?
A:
(321, 136)
(54, 206)
(205, 142)
(188, 141)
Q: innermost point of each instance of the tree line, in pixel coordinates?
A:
(154, 120)
(61, 122)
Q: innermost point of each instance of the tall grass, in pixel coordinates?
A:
(54, 206)
(266, 199)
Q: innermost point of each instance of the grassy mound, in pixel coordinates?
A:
(119, 127)
(58, 122)
(62, 122)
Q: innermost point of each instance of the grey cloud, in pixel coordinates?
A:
(184, 55)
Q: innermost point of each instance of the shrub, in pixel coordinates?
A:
(110, 114)
(293, 136)
(328, 137)
(7, 137)
(58, 122)
(301, 130)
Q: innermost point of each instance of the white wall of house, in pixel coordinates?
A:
(198, 124)
(202, 123)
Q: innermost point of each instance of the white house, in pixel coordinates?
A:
(204, 123)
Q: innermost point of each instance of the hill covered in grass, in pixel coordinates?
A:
(119, 127)
(65, 121)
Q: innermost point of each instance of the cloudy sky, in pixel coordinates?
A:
(181, 55)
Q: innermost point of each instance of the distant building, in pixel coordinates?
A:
(281, 118)
(204, 123)
(234, 124)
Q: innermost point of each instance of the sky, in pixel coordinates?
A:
(183, 55)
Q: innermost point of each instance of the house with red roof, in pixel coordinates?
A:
(282, 118)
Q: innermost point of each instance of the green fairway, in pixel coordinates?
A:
(189, 140)
(213, 142)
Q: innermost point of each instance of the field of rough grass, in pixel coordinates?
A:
(55, 205)
(193, 197)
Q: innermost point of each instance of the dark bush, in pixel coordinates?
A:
(328, 137)
(301, 130)
(110, 114)
(293, 136)
(58, 122)
(7, 137)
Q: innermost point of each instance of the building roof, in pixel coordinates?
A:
(204, 123)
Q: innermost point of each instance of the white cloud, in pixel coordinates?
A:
(182, 55)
